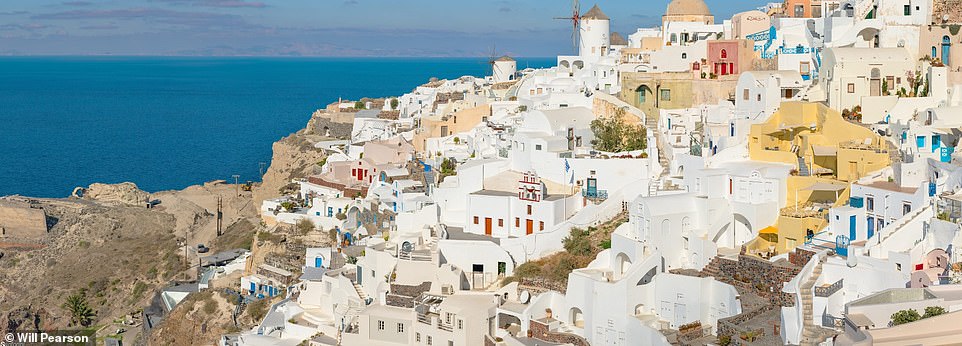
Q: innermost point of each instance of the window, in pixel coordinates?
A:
(541, 225)
(417, 337)
(447, 318)
(724, 54)
(537, 147)
(517, 222)
(529, 209)
(745, 94)
(935, 52)
(759, 97)
(851, 88)
(400, 328)
(665, 94)
(500, 222)
(906, 208)
(460, 324)
(805, 68)
(430, 340)
(799, 11)
(380, 325)
(475, 220)
(870, 203)
(907, 10)
(684, 55)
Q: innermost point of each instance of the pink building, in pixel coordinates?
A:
(729, 57)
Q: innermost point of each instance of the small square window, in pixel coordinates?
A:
(500, 222)
(380, 325)
(541, 225)
(666, 95)
(529, 209)
(851, 88)
(517, 222)
(537, 147)
(475, 220)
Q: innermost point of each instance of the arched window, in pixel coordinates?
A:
(684, 55)
(946, 49)
(935, 52)
(724, 54)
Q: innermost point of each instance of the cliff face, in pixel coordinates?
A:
(294, 157)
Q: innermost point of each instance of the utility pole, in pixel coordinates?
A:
(236, 183)
(220, 215)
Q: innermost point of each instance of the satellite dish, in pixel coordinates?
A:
(525, 297)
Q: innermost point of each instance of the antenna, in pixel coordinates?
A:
(575, 23)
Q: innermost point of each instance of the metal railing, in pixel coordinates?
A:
(828, 291)
(597, 194)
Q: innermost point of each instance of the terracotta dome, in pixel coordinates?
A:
(687, 7)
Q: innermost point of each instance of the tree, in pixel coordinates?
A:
(885, 87)
(933, 311)
(614, 134)
(358, 105)
(905, 316)
(457, 140)
(394, 103)
(577, 243)
(80, 313)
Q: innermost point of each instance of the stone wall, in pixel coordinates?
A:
(540, 331)
(763, 277)
(952, 9)
(337, 125)
(403, 295)
(20, 221)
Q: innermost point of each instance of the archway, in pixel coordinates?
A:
(946, 50)
(622, 263)
(875, 83)
(642, 92)
(577, 318)
(578, 64)
(639, 309)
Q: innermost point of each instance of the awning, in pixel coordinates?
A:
(824, 150)
(769, 230)
(821, 186)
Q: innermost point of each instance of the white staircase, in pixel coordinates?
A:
(810, 331)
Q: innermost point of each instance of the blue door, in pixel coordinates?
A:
(851, 227)
(318, 261)
(946, 50)
(871, 226)
(253, 287)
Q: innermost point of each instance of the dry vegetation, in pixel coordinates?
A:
(581, 247)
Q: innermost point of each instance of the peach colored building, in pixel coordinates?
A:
(729, 57)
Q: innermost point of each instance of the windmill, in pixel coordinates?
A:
(575, 23)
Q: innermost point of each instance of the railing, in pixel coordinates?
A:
(828, 291)
(597, 194)
(830, 321)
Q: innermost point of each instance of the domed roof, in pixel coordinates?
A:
(687, 7)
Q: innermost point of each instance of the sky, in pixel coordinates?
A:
(313, 27)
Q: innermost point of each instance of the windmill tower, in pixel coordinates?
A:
(504, 69)
(594, 31)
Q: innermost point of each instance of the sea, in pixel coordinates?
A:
(166, 123)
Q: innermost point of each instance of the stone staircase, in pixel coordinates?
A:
(360, 291)
(803, 168)
(651, 126)
(810, 332)
(712, 269)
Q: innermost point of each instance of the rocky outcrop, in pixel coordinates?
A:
(294, 157)
(123, 194)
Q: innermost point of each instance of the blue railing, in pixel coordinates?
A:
(596, 194)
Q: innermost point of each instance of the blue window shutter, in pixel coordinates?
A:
(920, 141)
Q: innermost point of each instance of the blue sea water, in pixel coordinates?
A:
(167, 123)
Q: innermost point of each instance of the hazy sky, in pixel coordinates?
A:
(312, 27)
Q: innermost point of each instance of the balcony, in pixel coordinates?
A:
(828, 291)
(594, 195)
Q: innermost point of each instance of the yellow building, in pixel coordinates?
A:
(653, 91)
(828, 153)
(443, 126)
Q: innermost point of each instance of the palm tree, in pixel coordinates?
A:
(80, 313)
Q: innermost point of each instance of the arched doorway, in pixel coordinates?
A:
(875, 83)
(642, 93)
(946, 50)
